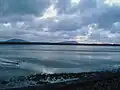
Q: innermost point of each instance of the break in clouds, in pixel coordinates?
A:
(60, 20)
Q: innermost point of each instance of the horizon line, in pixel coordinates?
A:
(59, 43)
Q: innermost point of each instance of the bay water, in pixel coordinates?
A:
(21, 60)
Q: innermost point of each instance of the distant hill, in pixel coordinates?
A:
(16, 40)
(23, 42)
(73, 42)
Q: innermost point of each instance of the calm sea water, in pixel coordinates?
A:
(19, 60)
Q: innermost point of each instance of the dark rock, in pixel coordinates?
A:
(21, 78)
(4, 82)
(42, 82)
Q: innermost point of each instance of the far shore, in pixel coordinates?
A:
(50, 43)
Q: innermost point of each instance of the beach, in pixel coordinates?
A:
(105, 80)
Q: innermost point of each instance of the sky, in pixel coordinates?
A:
(60, 20)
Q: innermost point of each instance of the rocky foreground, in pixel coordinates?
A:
(106, 80)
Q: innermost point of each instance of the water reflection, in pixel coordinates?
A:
(25, 59)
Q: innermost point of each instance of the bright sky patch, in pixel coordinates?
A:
(111, 2)
(49, 13)
(74, 2)
(80, 38)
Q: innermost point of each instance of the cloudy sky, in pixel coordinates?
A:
(60, 20)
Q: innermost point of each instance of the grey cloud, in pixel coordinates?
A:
(89, 12)
(15, 18)
(109, 17)
(72, 21)
(87, 4)
(62, 6)
(20, 7)
(65, 6)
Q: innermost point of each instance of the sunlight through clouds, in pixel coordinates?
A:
(49, 13)
(75, 2)
(56, 20)
(81, 38)
(8, 25)
(112, 2)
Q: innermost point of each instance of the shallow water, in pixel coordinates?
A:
(20, 60)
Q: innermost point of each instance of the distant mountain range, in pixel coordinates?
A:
(16, 40)
(24, 42)
(21, 40)
(74, 42)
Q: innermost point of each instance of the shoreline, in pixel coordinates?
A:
(57, 43)
(69, 80)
